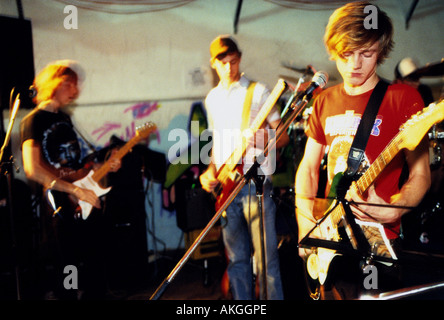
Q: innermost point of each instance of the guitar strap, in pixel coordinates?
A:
(247, 106)
(365, 127)
(356, 154)
(84, 139)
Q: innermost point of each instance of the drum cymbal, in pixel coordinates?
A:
(307, 70)
(429, 70)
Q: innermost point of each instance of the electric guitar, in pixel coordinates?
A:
(230, 173)
(92, 180)
(409, 136)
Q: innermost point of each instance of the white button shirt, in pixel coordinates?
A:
(224, 110)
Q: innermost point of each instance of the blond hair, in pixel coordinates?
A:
(346, 31)
(51, 76)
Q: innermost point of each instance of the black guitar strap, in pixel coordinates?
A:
(364, 129)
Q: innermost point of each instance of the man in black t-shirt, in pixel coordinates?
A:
(52, 158)
(54, 131)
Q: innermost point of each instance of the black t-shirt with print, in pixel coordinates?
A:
(55, 133)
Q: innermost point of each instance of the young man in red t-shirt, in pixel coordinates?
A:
(337, 111)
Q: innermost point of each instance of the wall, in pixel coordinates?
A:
(161, 59)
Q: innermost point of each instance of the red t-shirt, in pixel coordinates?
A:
(334, 122)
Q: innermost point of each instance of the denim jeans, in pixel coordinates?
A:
(241, 228)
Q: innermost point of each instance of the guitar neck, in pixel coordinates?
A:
(105, 168)
(410, 135)
(386, 156)
(268, 105)
(233, 160)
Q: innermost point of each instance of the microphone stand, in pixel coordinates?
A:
(258, 179)
(296, 92)
(296, 106)
(163, 286)
(9, 164)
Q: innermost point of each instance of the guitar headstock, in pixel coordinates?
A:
(146, 129)
(419, 124)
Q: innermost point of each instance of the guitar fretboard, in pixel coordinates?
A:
(122, 151)
(380, 163)
(104, 169)
(409, 137)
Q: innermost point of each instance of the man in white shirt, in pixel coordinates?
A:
(241, 226)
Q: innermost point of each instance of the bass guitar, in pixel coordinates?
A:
(410, 135)
(92, 179)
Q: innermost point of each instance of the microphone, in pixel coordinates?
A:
(319, 79)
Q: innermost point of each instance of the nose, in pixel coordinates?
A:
(356, 61)
(76, 91)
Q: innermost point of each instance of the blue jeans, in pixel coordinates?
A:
(241, 228)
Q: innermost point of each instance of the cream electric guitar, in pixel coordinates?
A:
(409, 136)
(92, 179)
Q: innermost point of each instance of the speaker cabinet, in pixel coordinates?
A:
(16, 60)
(210, 245)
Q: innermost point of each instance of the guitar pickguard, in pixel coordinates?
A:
(89, 183)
